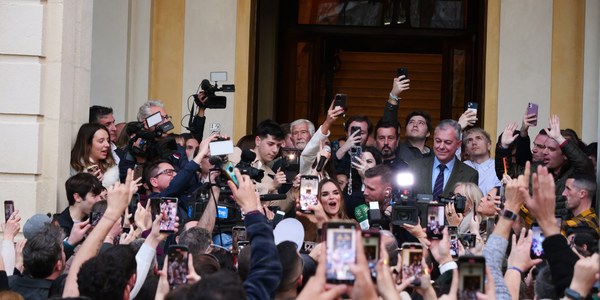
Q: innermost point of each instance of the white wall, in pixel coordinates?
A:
(524, 60)
(209, 46)
(109, 55)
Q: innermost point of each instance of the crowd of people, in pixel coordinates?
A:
(520, 225)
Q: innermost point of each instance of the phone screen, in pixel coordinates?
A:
(238, 235)
(9, 209)
(177, 270)
(453, 233)
(371, 246)
(309, 186)
(532, 109)
(168, 213)
(435, 221)
(536, 243)
(412, 255)
(341, 252)
(472, 276)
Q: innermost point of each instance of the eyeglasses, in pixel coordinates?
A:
(169, 172)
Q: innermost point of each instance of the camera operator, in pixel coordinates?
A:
(164, 181)
(269, 138)
(136, 152)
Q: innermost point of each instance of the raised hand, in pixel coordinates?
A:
(554, 130)
(400, 85)
(508, 136)
(523, 245)
(468, 118)
(542, 204)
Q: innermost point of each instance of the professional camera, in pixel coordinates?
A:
(403, 214)
(213, 101)
(148, 145)
(245, 166)
(459, 201)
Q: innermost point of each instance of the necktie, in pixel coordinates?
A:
(439, 183)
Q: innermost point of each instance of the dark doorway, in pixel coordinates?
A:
(326, 47)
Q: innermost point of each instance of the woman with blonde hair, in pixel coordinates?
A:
(473, 196)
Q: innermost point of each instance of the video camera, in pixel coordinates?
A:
(404, 210)
(213, 101)
(459, 201)
(148, 145)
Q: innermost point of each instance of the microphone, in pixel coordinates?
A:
(374, 214)
(215, 160)
(272, 197)
(361, 214)
(325, 154)
(248, 156)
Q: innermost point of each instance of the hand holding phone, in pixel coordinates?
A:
(412, 256)
(177, 269)
(341, 101)
(436, 218)
(308, 193)
(471, 270)
(9, 209)
(341, 251)
(532, 109)
(168, 214)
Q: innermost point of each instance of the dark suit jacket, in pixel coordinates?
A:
(422, 170)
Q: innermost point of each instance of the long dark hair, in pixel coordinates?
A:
(80, 154)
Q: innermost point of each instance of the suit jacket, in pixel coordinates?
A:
(422, 170)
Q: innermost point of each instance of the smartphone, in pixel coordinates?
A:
(354, 129)
(95, 217)
(471, 270)
(472, 106)
(154, 207)
(9, 209)
(402, 71)
(537, 251)
(500, 193)
(229, 173)
(135, 199)
(215, 128)
(154, 119)
(340, 100)
(412, 255)
(371, 240)
(355, 151)
(238, 234)
(168, 213)
(177, 269)
(341, 251)
(309, 186)
(221, 147)
(468, 240)
(532, 109)
(453, 234)
(435, 220)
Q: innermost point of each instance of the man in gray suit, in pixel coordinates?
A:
(437, 175)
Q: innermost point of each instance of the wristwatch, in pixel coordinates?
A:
(572, 294)
(509, 215)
